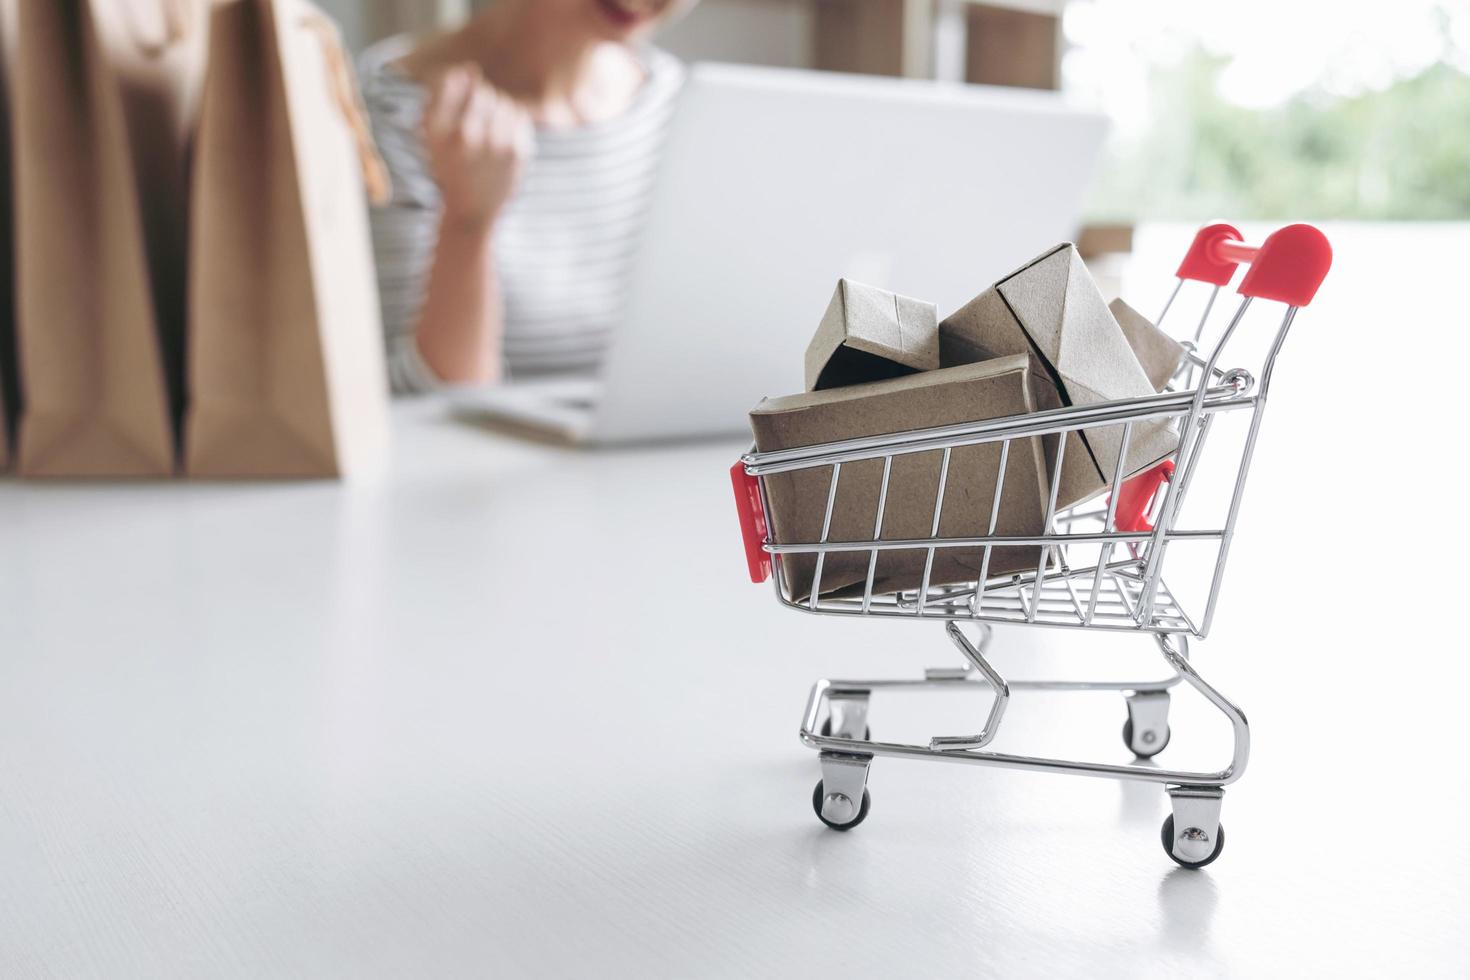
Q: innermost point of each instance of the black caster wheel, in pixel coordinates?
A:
(827, 730)
(1153, 750)
(862, 813)
(1167, 836)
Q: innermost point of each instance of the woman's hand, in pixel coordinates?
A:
(478, 141)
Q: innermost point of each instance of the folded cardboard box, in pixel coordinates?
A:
(868, 334)
(1158, 354)
(797, 500)
(1051, 310)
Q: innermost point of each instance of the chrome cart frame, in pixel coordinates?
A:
(1098, 569)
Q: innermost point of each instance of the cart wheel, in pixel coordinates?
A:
(1152, 750)
(827, 730)
(1167, 836)
(862, 813)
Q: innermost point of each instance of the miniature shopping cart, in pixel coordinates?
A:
(1101, 564)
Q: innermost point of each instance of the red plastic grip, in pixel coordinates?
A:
(1137, 496)
(752, 522)
(1202, 263)
(1287, 267)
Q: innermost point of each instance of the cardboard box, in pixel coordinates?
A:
(1158, 354)
(797, 500)
(1051, 309)
(868, 334)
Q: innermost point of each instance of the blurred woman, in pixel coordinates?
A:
(522, 147)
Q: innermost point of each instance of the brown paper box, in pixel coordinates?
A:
(286, 358)
(868, 334)
(1158, 354)
(102, 96)
(798, 499)
(1051, 309)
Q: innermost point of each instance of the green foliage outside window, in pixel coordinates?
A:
(1402, 153)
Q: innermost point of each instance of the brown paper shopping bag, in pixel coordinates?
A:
(103, 95)
(286, 364)
(9, 382)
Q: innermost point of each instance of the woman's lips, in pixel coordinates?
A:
(630, 13)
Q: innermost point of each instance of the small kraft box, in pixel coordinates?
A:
(1051, 310)
(868, 334)
(1158, 354)
(797, 500)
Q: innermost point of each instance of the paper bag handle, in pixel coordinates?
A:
(348, 96)
(178, 23)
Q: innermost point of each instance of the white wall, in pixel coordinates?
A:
(349, 14)
(761, 32)
(764, 32)
(364, 21)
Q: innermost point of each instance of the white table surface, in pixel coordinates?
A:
(513, 711)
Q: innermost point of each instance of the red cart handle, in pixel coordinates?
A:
(1287, 267)
(752, 522)
(1136, 498)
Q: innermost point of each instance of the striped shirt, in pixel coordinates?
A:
(563, 245)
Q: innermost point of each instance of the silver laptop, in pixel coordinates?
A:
(776, 183)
